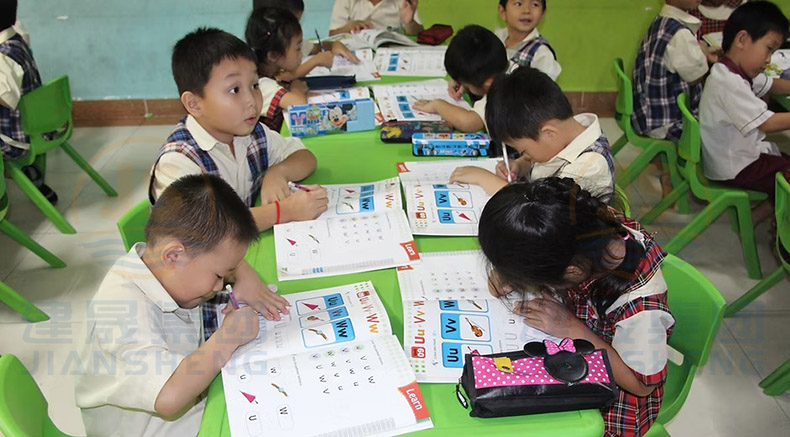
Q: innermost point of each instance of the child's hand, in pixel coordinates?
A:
(284, 76)
(427, 106)
(274, 186)
(300, 86)
(456, 90)
(711, 53)
(407, 10)
(323, 59)
(239, 326)
(338, 48)
(550, 316)
(355, 26)
(517, 168)
(470, 175)
(303, 205)
(251, 290)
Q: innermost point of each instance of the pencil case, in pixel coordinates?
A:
(322, 118)
(401, 131)
(435, 35)
(329, 82)
(446, 144)
(544, 377)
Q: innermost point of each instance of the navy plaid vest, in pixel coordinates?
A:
(10, 120)
(181, 141)
(602, 147)
(655, 88)
(525, 54)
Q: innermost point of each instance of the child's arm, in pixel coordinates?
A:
(408, 10)
(298, 206)
(780, 86)
(296, 95)
(488, 181)
(777, 123)
(461, 119)
(250, 289)
(196, 371)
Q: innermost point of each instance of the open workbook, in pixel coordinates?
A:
(375, 38)
(396, 101)
(331, 368)
(365, 70)
(448, 312)
(411, 61)
(437, 207)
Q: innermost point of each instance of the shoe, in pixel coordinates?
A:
(36, 177)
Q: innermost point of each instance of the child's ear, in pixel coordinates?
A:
(173, 254)
(191, 102)
(549, 131)
(502, 12)
(742, 38)
(487, 84)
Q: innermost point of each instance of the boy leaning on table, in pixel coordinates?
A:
(146, 369)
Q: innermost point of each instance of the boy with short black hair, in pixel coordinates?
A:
(146, 364)
(525, 45)
(529, 112)
(217, 78)
(733, 116)
(473, 59)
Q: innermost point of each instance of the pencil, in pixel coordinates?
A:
(233, 300)
(299, 187)
(507, 163)
(320, 46)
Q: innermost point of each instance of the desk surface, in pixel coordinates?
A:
(362, 157)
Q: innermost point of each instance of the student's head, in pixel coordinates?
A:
(217, 79)
(7, 13)
(198, 232)
(276, 38)
(522, 15)
(549, 234)
(752, 33)
(474, 57)
(295, 6)
(524, 109)
(686, 5)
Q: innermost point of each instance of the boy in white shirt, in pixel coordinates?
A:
(355, 15)
(529, 112)
(525, 45)
(733, 117)
(146, 365)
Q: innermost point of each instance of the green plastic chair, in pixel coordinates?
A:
(782, 244)
(698, 308)
(23, 408)
(7, 295)
(778, 381)
(132, 225)
(720, 197)
(621, 202)
(43, 110)
(651, 147)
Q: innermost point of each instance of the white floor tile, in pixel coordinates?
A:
(95, 144)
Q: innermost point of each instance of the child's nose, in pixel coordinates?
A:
(218, 286)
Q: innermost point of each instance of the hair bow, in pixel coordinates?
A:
(565, 345)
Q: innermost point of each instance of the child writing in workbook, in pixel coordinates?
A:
(525, 45)
(147, 365)
(354, 15)
(324, 52)
(599, 278)
(529, 112)
(473, 59)
(216, 75)
(733, 117)
(670, 61)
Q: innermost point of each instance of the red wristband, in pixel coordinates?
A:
(277, 206)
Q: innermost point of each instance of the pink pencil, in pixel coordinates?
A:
(233, 300)
(299, 187)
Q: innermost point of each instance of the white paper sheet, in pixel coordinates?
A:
(411, 61)
(367, 198)
(365, 70)
(396, 101)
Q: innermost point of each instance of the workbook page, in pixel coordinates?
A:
(367, 198)
(411, 61)
(396, 101)
(365, 70)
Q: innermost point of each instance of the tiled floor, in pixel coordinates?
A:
(724, 400)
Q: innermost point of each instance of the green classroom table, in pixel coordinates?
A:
(362, 157)
(783, 101)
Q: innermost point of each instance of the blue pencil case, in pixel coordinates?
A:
(322, 118)
(444, 144)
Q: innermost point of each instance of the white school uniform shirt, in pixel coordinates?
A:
(232, 169)
(272, 93)
(385, 15)
(137, 335)
(589, 170)
(730, 112)
(543, 59)
(11, 75)
(721, 13)
(683, 55)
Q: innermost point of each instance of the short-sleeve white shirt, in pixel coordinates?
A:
(544, 58)
(385, 15)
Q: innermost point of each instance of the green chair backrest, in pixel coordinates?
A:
(132, 225)
(689, 152)
(624, 103)
(47, 109)
(782, 210)
(620, 201)
(23, 408)
(3, 195)
(697, 306)
(459, 13)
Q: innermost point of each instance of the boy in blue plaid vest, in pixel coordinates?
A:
(530, 113)
(18, 76)
(216, 75)
(670, 61)
(525, 45)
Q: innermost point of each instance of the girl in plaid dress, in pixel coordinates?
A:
(598, 276)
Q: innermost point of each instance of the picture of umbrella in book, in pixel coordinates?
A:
(280, 389)
(321, 333)
(477, 330)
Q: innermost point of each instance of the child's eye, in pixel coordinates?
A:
(234, 90)
(218, 276)
(255, 86)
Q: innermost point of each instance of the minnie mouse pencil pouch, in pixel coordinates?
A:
(544, 377)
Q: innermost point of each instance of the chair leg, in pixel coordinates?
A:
(778, 381)
(21, 305)
(698, 224)
(619, 144)
(670, 161)
(755, 292)
(100, 181)
(39, 200)
(637, 166)
(679, 191)
(20, 237)
(733, 213)
(748, 244)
